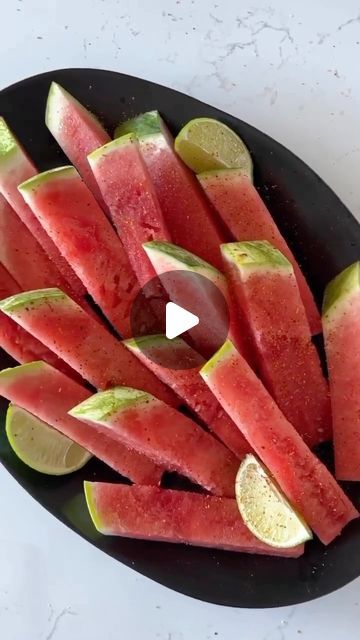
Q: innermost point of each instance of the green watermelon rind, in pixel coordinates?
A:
(145, 124)
(10, 147)
(110, 147)
(32, 298)
(221, 355)
(33, 183)
(52, 120)
(101, 406)
(154, 340)
(26, 369)
(180, 257)
(254, 255)
(91, 505)
(341, 289)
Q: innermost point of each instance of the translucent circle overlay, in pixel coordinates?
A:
(193, 292)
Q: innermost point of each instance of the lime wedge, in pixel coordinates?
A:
(264, 508)
(41, 447)
(205, 144)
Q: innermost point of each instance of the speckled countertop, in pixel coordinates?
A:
(292, 70)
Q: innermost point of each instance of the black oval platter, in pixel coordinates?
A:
(325, 238)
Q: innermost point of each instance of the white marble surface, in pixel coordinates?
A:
(291, 69)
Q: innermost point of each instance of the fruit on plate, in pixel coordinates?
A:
(41, 447)
(341, 313)
(130, 197)
(239, 205)
(17, 342)
(194, 293)
(76, 337)
(264, 508)
(206, 144)
(187, 213)
(177, 364)
(74, 220)
(49, 395)
(22, 255)
(15, 167)
(77, 132)
(165, 435)
(305, 481)
(265, 287)
(151, 513)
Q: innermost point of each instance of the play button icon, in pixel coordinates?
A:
(178, 320)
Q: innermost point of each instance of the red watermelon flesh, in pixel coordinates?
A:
(76, 337)
(17, 342)
(341, 313)
(239, 205)
(151, 513)
(76, 223)
(77, 132)
(166, 358)
(164, 435)
(15, 167)
(22, 255)
(130, 197)
(267, 293)
(49, 395)
(306, 482)
(187, 212)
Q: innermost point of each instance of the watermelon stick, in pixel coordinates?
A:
(267, 293)
(239, 205)
(163, 434)
(17, 342)
(15, 167)
(76, 131)
(306, 482)
(76, 337)
(187, 212)
(49, 394)
(129, 194)
(151, 513)
(178, 365)
(74, 220)
(341, 313)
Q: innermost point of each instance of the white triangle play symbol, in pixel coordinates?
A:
(178, 320)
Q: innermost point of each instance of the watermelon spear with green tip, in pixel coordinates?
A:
(76, 337)
(49, 395)
(74, 220)
(130, 196)
(266, 290)
(15, 167)
(77, 131)
(341, 314)
(151, 513)
(177, 364)
(305, 481)
(165, 435)
(240, 207)
(187, 213)
(17, 342)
